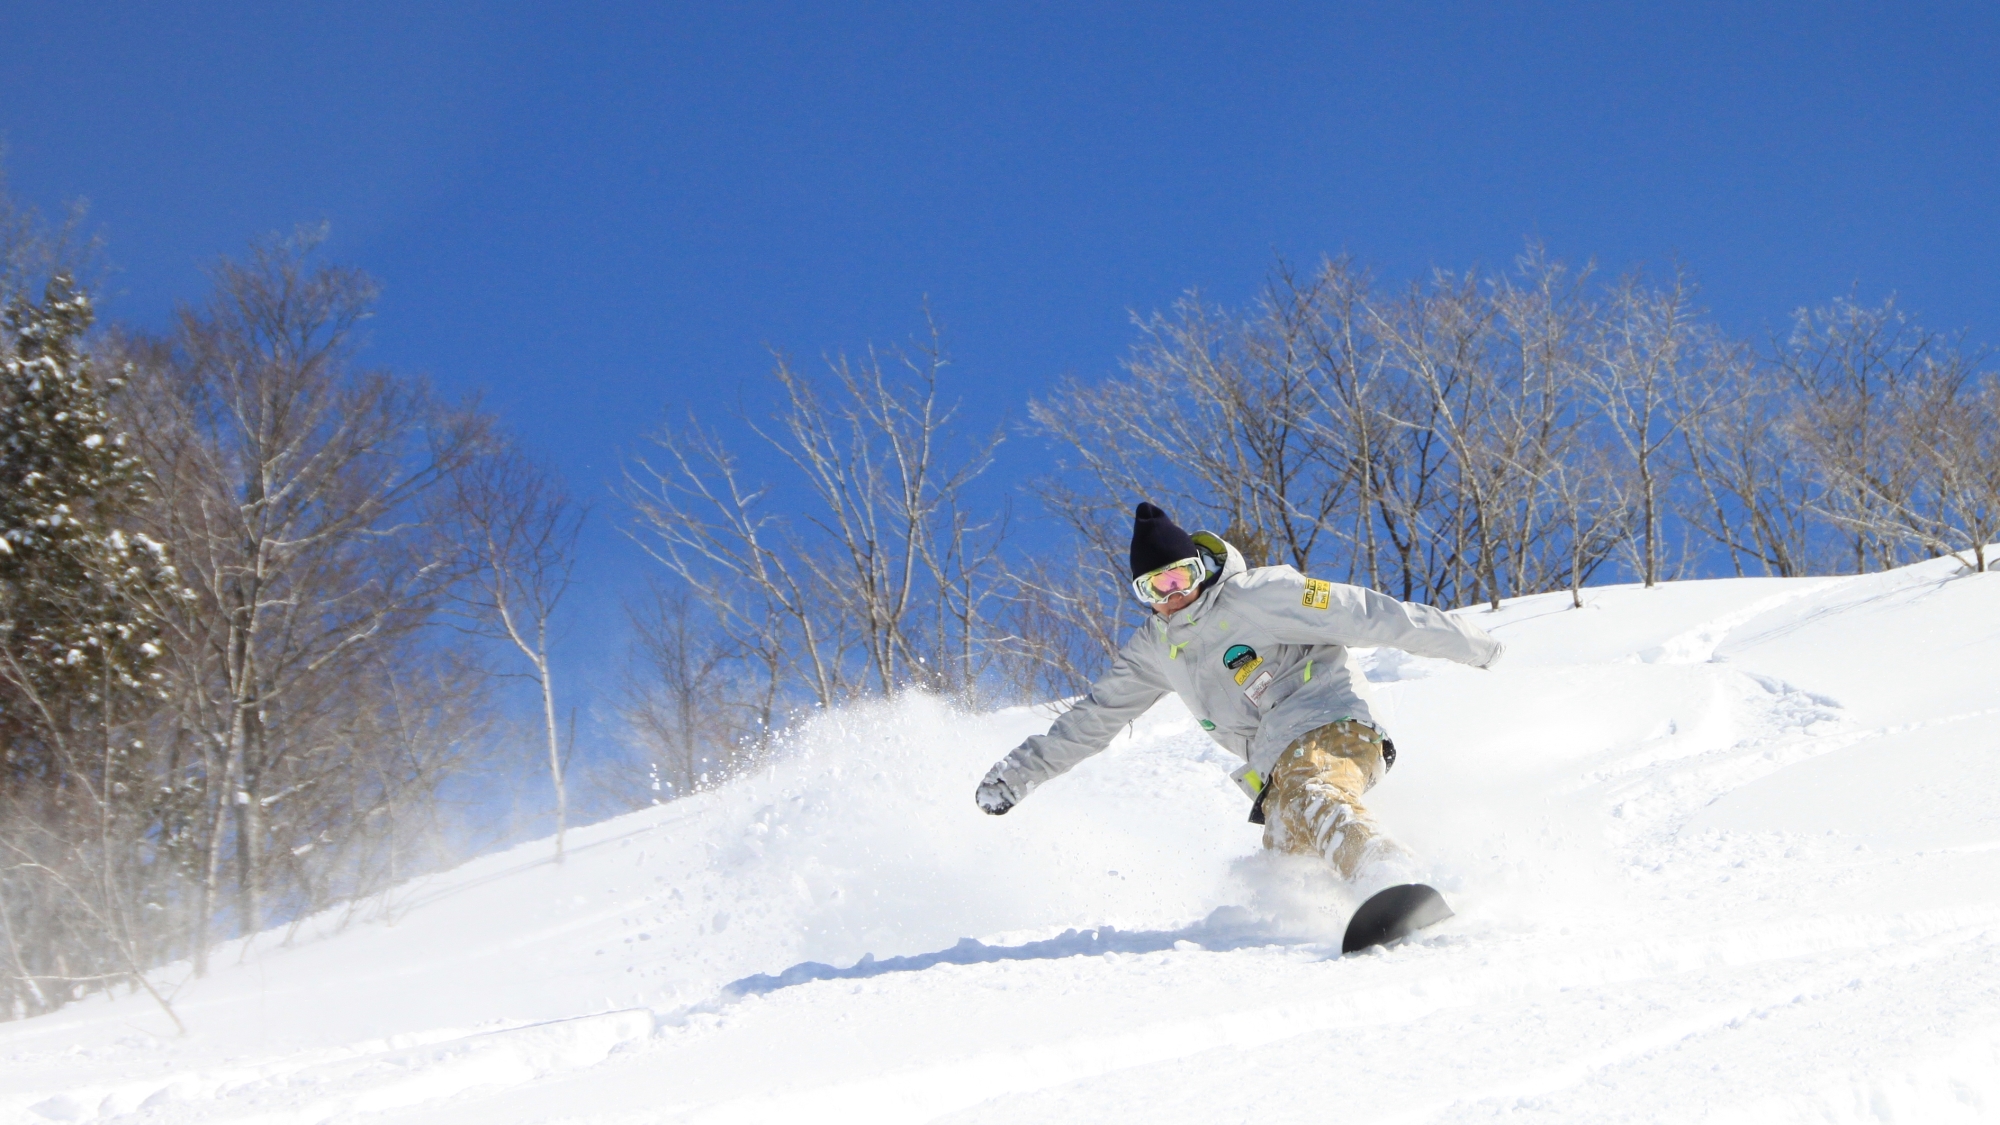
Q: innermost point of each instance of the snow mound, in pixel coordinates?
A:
(1719, 850)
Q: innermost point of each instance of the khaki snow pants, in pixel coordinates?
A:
(1312, 803)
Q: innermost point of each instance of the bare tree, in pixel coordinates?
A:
(966, 577)
(1210, 416)
(690, 728)
(375, 811)
(1653, 371)
(729, 542)
(869, 579)
(289, 488)
(1558, 517)
(1753, 492)
(516, 528)
(1400, 441)
(1930, 473)
(1963, 465)
(1592, 510)
(1449, 342)
(1848, 367)
(1065, 614)
(887, 503)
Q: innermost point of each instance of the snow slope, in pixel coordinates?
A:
(1721, 851)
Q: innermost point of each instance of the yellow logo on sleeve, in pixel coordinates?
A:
(1319, 594)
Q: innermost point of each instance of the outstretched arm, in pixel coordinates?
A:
(1123, 693)
(1301, 610)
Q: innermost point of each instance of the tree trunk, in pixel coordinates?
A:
(249, 855)
(555, 747)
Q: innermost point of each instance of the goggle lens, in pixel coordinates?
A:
(1156, 586)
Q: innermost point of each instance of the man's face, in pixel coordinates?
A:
(1176, 603)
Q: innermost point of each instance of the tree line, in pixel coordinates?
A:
(1457, 439)
(250, 594)
(257, 599)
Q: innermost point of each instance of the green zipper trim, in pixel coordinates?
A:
(1309, 673)
(1174, 651)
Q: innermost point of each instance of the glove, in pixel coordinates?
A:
(994, 795)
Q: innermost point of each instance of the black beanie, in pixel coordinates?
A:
(1157, 541)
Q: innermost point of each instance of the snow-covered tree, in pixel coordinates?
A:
(75, 584)
(79, 633)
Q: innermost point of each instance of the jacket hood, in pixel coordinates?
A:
(1232, 565)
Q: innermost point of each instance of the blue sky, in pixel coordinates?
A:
(600, 213)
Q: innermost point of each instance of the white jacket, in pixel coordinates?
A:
(1260, 658)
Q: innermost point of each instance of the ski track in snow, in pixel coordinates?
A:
(1705, 872)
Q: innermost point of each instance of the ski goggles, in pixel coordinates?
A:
(1161, 584)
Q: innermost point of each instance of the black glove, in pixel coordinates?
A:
(994, 795)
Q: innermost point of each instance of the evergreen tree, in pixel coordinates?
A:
(75, 587)
(79, 632)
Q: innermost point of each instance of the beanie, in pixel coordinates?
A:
(1157, 541)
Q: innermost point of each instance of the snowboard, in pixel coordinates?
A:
(1394, 913)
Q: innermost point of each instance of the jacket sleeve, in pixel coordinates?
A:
(1298, 610)
(1133, 684)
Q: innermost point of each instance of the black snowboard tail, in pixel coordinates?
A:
(1395, 913)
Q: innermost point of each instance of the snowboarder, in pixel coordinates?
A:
(1260, 656)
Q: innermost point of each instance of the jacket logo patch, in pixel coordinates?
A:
(1319, 594)
(1241, 659)
(1258, 686)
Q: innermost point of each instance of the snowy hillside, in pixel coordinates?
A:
(1721, 851)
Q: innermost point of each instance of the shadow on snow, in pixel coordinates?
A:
(1220, 932)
